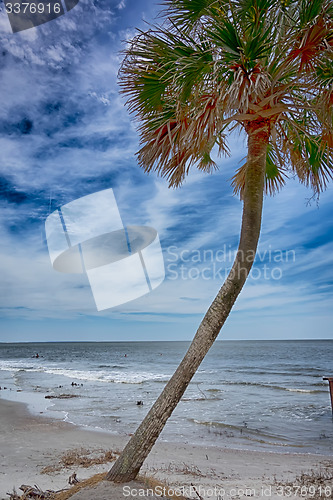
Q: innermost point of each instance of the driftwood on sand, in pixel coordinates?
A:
(34, 492)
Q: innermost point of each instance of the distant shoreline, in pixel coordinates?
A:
(158, 341)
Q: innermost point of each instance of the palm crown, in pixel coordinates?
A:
(215, 65)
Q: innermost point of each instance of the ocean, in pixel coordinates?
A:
(263, 395)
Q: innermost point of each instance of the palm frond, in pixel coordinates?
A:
(188, 13)
(310, 156)
(185, 140)
(309, 46)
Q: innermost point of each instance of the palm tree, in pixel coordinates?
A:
(211, 66)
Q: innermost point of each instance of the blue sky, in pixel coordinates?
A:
(65, 133)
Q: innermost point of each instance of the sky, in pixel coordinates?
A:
(65, 133)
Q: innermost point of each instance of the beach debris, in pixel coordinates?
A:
(32, 492)
(204, 395)
(61, 396)
(14, 495)
(196, 492)
(73, 479)
(81, 457)
(330, 383)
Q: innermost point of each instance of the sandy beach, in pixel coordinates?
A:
(33, 450)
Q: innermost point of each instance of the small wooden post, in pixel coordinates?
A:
(330, 381)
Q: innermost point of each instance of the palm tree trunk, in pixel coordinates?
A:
(136, 451)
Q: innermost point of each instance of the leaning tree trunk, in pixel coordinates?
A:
(137, 449)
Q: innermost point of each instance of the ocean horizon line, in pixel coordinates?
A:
(157, 341)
